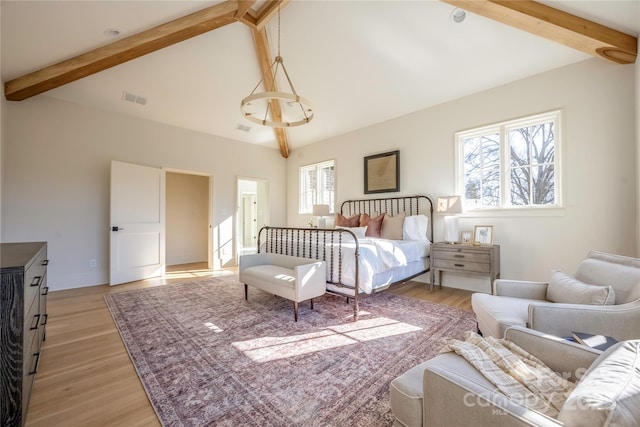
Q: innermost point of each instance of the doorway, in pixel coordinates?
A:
(187, 218)
(252, 213)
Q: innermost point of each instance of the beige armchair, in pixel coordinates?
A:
(449, 391)
(603, 297)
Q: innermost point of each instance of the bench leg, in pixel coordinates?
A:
(295, 311)
(311, 303)
(246, 292)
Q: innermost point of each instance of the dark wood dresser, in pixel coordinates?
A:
(23, 309)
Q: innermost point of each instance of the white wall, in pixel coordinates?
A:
(599, 164)
(187, 218)
(56, 171)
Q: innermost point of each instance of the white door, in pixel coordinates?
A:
(137, 222)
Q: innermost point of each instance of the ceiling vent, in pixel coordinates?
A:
(243, 128)
(130, 97)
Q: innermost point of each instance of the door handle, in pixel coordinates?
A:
(116, 228)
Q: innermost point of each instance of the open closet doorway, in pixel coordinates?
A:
(188, 239)
(252, 203)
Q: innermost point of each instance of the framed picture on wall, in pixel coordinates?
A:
(382, 173)
(483, 235)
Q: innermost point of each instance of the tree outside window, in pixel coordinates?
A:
(511, 164)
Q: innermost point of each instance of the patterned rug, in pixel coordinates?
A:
(208, 357)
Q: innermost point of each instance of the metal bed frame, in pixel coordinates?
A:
(326, 244)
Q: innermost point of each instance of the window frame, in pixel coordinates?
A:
(318, 166)
(502, 129)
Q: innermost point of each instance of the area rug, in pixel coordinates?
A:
(207, 357)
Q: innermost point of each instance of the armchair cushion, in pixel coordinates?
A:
(621, 272)
(495, 314)
(609, 393)
(563, 288)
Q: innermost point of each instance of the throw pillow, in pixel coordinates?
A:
(360, 232)
(352, 221)
(608, 394)
(415, 227)
(374, 225)
(566, 289)
(392, 226)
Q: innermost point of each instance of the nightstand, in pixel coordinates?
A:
(465, 259)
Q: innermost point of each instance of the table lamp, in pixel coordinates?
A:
(450, 206)
(321, 211)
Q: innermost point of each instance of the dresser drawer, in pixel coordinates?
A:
(468, 266)
(454, 255)
(30, 366)
(32, 320)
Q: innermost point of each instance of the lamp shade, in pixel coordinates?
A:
(449, 205)
(320, 210)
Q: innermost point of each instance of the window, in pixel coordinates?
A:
(510, 165)
(317, 186)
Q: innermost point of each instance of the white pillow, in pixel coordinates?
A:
(358, 231)
(415, 227)
(566, 289)
(608, 394)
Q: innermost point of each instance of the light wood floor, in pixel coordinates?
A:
(86, 377)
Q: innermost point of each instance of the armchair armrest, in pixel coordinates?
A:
(565, 357)
(520, 289)
(617, 321)
(456, 394)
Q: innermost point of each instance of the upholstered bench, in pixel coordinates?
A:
(294, 278)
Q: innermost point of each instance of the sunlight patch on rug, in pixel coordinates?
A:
(266, 349)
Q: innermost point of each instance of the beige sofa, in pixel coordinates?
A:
(448, 391)
(603, 297)
(294, 278)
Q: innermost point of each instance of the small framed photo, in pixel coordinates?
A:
(467, 237)
(483, 235)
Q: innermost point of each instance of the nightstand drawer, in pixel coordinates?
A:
(468, 266)
(466, 256)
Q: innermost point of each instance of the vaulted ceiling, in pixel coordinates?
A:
(359, 62)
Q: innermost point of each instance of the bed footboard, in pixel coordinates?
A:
(329, 245)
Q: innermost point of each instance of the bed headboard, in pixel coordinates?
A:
(410, 205)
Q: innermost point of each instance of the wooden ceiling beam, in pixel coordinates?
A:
(121, 51)
(243, 7)
(258, 19)
(556, 25)
(264, 59)
(268, 10)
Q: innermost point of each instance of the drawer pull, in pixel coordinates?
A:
(44, 319)
(45, 262)
(459, 265)
(36, 281)
(35, 365)
(458, 256)
(45, 290)
(34, 324)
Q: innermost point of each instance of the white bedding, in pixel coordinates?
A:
(378, 257)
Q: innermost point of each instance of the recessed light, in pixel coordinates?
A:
(458, 15)
(112, 32)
